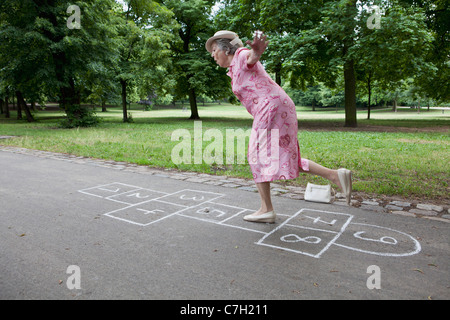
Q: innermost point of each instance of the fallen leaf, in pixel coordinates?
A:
(316, 284)
(22, 235)
(418, 270)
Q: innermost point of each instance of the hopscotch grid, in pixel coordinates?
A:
(166, 195)
(286, 223)
(157, 200)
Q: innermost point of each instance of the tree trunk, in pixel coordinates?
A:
(21, 102)
(19, 110)
(349, 72)
(278, 73)
(123, 83)
(6, 109)
(350, 94)
(71, 100)
(369, 90)
(193, 103)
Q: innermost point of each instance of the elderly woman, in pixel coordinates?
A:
(273, 151)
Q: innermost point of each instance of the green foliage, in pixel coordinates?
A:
(315, 42)
(79, 116)
(122, 54)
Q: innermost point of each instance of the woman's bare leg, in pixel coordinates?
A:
(314, 168)
(324, 172)
(264, 193)
(265, 213)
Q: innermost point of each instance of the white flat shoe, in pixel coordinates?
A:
(268, 217)
(345, 178)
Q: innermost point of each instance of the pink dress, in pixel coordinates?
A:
(273, 150)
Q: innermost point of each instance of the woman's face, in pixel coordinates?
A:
(220, 57)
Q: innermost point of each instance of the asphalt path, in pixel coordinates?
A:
(79, 231)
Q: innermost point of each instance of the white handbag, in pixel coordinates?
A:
(319, 193)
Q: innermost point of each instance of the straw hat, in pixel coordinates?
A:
(224, 34)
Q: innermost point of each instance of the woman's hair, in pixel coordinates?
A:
(226, 46)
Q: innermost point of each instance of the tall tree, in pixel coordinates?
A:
(192, 65)
(397, 49)
(42, 52)
(144, 31)
(435, 85)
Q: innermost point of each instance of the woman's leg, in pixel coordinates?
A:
(324, 172)
(265, 213)
(314, 168)
(264, 193)
(342, 177)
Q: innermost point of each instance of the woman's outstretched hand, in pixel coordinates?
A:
(258, 45)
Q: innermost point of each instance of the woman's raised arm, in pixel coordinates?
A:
(258, 45)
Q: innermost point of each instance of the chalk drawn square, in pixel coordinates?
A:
(211, 212)
(189, 198)
(321, 220)
(137, 196)
(146, 213)
(108, 190)
(299, 240)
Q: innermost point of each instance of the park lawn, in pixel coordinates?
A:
(397, 154)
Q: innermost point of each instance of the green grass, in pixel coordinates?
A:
(403, 153)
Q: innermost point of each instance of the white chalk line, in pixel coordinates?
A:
(416, 250)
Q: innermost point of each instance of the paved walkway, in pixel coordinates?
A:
(79, 228)
(402, 207)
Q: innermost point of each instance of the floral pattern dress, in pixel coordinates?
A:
(273, 151)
